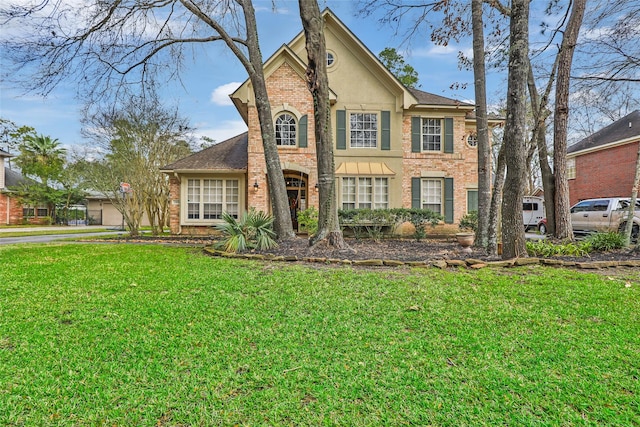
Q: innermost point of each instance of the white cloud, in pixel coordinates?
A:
(225, 130)
(435, 50)
(220, 95)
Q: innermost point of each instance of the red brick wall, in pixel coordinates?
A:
(287, 92)
(461, 165)
(15, 211)
(174, 205)
(605, 173)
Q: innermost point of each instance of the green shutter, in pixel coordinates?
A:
(415, 134)
(386, 131)
(448, 200)
(341, 130)
(472, 200)
(302, 132)
(416, 199)
(448, 135)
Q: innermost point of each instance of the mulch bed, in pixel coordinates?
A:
(405, 250)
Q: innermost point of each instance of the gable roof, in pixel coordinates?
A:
(621, 131)
(13, 178)
(229, 155)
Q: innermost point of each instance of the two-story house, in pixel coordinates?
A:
(604, 164)
(394, 146)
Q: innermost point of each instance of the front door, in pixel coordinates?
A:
(296, 183)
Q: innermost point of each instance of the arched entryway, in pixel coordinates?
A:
(297, 192)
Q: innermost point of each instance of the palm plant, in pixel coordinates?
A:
(41, 156)
(254, 230)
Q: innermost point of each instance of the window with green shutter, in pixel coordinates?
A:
(448, 200)
(416, 134)
(448, 135)
(385, 136)
(302, 131)
(341, 130)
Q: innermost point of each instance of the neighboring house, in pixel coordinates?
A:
(394, 146)
(10, 208)
(101, 211)
(12, 212)
(604, 164)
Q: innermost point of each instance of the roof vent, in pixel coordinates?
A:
(629, 124)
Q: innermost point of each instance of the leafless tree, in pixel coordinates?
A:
(513, 239)
(482, 125)
(109, 46)
(632, 204)
(563, 229)
(318, 83)
(137, 139)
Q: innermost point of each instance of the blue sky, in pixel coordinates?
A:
(202, 95)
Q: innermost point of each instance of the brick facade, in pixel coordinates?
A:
(604, 173)
(288, 93)
(10, 211)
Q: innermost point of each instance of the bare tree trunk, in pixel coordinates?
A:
(277, 189)
(632, 204)
(318, 83)
(561, 115)
(496, 201)
(513, 239)
(540, 114)
(482, 127)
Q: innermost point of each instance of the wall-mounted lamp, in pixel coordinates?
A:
(256, 186)
(316, 185)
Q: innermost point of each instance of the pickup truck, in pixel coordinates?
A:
(606, 214)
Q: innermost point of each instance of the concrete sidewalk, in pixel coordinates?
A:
(61, 228)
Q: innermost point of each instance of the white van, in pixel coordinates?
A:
(532, 211)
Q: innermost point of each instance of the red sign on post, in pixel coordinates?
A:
(125, 187)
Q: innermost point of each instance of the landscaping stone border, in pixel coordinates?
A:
(471, 263)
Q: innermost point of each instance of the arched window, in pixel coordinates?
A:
(286, 130)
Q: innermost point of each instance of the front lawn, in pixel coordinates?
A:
(143, 335)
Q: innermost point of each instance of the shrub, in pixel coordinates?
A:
(253, 230)
(372, 221)
(546, 248)
(308, 219)
(420, 218)
(603, 242)
(469, 222)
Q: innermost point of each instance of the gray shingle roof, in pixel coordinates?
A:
(432, 99)
(227, 155)
(626, 127)
(13, 178)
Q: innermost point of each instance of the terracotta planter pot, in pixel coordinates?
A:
(466, 240)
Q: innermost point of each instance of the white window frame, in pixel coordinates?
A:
(429, 137)
(364, 130)
(287, 130)
(431, 194)
(571, 168)
(364, 192)
(205, 199)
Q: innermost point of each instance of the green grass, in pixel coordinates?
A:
(141, 335)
